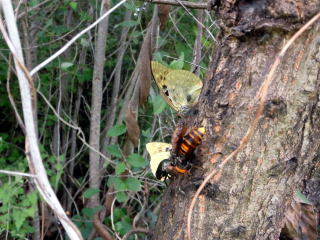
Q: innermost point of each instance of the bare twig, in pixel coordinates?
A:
(199, 22)
(112, 219)
(15, 173)
(97, 223)
(100, 227)
(196, 55)
(80, 133)
(33, 152)
(262, 93)
(66, 46)
(143, 207)
(31, 9)
(11, 99)
(178, 31)
(196, 5)
(133, 231)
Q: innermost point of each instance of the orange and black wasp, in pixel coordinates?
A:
(191, 141)
(167, 161)
(184, 147)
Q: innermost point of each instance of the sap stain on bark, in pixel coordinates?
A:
(211, 190)
(282, 168)
(274, 108)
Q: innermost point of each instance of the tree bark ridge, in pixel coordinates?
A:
(256, 186)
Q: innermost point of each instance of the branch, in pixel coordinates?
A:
(97, 223)
(66, 46)
(32, 147)
(14, 173)
(197, 5)
(217, 173)
(95, 165)
(143, 207)
(135, 230)
(80, 133)
(31, 9)
(11, 99)
(100, 227)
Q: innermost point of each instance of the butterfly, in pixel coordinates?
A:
(179, 88)
(160, 162)
(164, 162)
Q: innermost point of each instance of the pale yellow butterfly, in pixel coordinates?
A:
(159, 152)
(179, 88)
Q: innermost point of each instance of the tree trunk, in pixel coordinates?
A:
(96, 102)
(117, 79)
(256, 186)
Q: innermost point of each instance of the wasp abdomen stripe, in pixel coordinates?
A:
(191, 141)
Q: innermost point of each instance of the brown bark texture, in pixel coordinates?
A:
(255, 188)
(96, 102)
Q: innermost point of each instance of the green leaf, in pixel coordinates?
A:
(33, 3)
(157, 56)
(117, 130)
(120, 168)
(127, 24)
(84, 42)
(51, 159)
(73, 5)
(136, 34)
(178, 64)
(30, 211)
(119, 213)
(90, 192)
(114, 150)
(66, 65)
(6, 193)
(121, 197)
(32, 197)
(118, 183)
(133, 184)
(158, 104)
(207, 44)
(89, 212)
(136, 160)
(124, 226)
(58, 167)
(129, 5)
(18, 218)
(85, 76)
(146, 133)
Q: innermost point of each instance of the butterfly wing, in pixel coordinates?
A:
(159, 152)
(160, 73)
(184, 88)
(179, 88)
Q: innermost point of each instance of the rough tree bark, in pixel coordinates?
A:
(257, 185)
(96, 102)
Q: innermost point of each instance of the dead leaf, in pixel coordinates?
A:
(163, 13)
(145, 70)
(133, 129)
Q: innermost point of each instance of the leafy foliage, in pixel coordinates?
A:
(65, 83)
